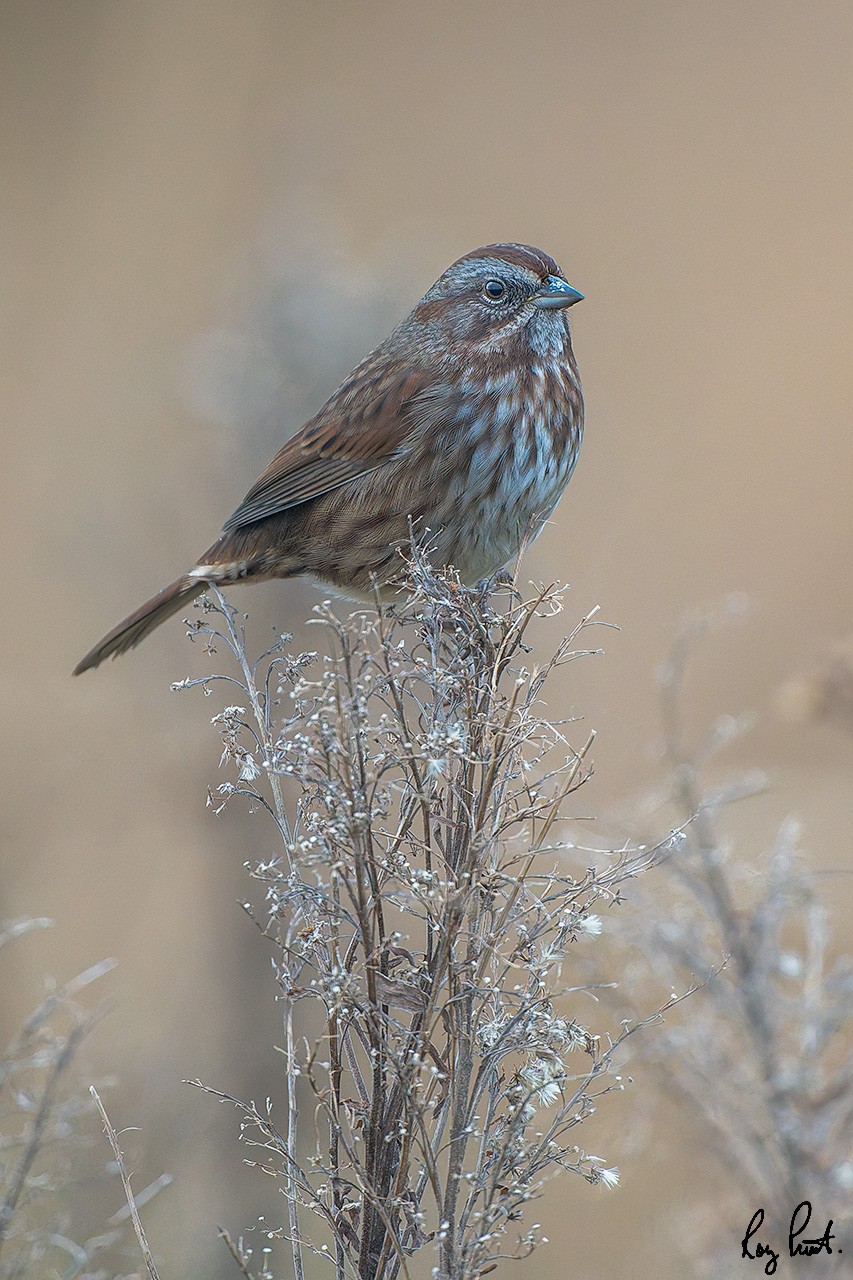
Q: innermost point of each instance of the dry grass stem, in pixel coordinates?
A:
(125, 1182)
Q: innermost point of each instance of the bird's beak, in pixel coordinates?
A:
(556, 294)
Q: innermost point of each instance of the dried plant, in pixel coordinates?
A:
(421, 905)
(762, 1065)
(823, 693)
(45, 1122)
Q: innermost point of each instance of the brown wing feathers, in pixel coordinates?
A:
(342, 442)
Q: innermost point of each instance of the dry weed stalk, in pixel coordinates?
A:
(43, 1117)
(419, 900)
(762, 1064)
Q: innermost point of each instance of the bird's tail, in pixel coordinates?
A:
(144, 619)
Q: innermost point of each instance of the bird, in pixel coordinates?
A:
(465, 423)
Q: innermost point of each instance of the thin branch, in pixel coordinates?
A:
(128, 1191)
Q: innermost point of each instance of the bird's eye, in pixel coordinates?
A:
(494, 290)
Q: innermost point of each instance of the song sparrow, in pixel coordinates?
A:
(466, 421)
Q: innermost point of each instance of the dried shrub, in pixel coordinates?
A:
(760, 1063)
(47, 1133)
(421, 904)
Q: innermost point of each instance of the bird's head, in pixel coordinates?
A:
(496, 294)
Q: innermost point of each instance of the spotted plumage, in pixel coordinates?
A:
(467, 421)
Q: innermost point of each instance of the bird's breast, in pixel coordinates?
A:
(507, 470)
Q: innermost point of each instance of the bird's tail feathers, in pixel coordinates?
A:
(143, 620)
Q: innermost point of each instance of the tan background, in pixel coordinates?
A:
(210, 211)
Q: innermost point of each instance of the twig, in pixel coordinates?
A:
(235, 1254)
(128, 1191)
(19, 1179)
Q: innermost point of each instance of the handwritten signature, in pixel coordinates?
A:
(797, 1247)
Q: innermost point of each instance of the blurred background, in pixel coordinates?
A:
(211, 211)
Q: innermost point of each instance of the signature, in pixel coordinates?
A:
(798, 1247)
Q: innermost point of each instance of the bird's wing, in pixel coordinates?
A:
(373, 416)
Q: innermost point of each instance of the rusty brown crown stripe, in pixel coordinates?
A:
(520, 255)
